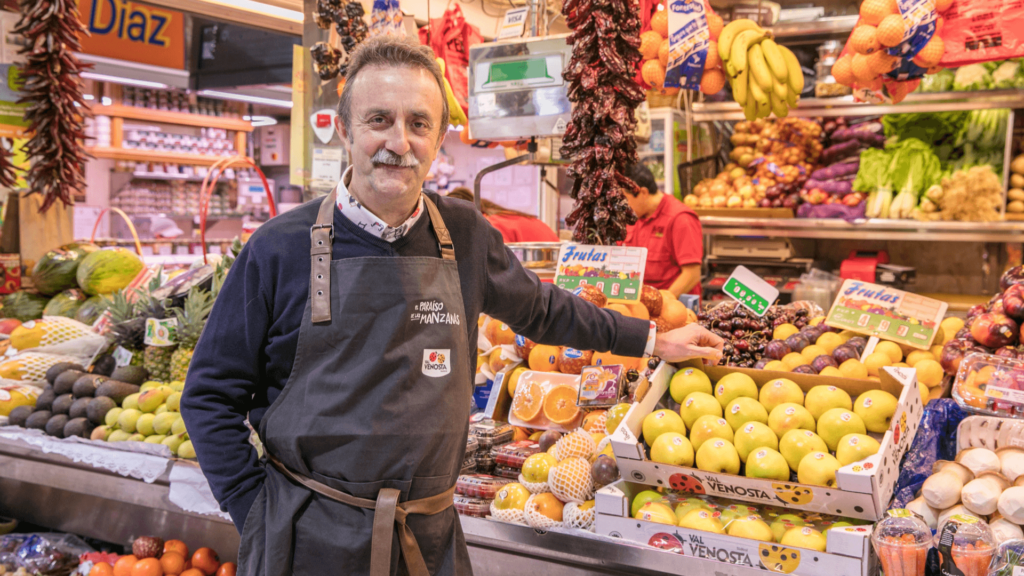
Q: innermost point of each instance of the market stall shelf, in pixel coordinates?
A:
(865, 229)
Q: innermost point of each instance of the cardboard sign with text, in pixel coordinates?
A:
(617, 271)
(886, 313)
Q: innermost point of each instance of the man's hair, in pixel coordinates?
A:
(390, 51)
(643, 177)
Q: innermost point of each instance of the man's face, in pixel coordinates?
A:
(395, 122)
(637, 202)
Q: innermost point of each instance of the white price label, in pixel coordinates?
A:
(122, 357)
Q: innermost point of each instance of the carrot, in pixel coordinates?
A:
(894, 557)
(922, 559)
(909, 555)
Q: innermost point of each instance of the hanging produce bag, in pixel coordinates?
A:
(386, 18)
(689, 40)
(982, 31)
(450, 36)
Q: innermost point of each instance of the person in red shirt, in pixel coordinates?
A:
(671, 232)
(515, 226)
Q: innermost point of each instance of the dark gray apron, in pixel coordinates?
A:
(367, 438)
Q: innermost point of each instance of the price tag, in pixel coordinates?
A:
(750, 291)
(514, 23)
(887, 313)
(617, 271)
(122, 357)
(160, 332)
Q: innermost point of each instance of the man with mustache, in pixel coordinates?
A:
(345, 333)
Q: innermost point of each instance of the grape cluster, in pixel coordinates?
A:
(744, 333)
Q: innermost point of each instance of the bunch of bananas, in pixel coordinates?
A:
(765, 76)
(457, 116)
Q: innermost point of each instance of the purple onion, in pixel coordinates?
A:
(858, 342)
(845, 352)
(797, 342)
(1006, 352)
(823, 361)
(803, 369)
(761, 363)
(776, 349)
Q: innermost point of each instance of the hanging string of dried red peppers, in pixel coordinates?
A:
(51, 29)
(599, 139)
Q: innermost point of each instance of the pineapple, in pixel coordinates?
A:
(190, 325)
(155, 359)
(128, 328)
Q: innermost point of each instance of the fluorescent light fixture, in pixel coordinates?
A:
(258, 121)
(88, 97)
(121, 80)
(246, 98)
(261, 8)
(106, 101)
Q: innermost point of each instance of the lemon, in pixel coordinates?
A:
(853, 368)
(929, 372)
(890, 349)
(777, 365)
(876, 361)
(831, 371)
(847, 334)
(950, 326)
(783, 331)
(936, 351)
(537, 467)
(829, 341)
(917, 355)
(924, 393)
(813, 351)
(817, 320)
(793, 359)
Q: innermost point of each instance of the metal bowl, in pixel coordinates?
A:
(536, 254)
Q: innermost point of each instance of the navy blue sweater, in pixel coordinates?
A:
(245, 354)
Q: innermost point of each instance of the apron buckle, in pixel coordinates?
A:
(316, 227)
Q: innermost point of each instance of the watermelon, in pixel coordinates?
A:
(23, 306)
(109, 270)
(56, 270)
(65, 304)
(91, 309)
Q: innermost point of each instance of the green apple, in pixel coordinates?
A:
(767, 463)
(703, 520)
(100, 433)
(754, 435)
(174, 442)
(110, 419)
(174, 401)
(718, 456)
(708, 427)
(796, 444)
(743, 410)
(734, 385)
(856, 447)
(804, 537)
(836, 423)
(699, 404)
(131, 401)
(752, 527)
(150, 400)
(537, 467)
(840, 524)
(179, 426)
(734, 511)
(876, 408)
(511, 496)
(160, 409)
(789, 416)
(136, 438)
(643, 498)
(683, 508)
(656, 512)
(659, 422)
(672, 448)
(784, 523)
(818, 469)
(144, 425)
(686, 381)
(118, 436)
(821, 399)
(150, 385)
(155, 439)
(780, 391)
(162, 423)
(127, 420)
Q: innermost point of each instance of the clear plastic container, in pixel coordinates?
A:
(479, 485)
(513, 455)
(507, 472)
(902, 540)
(489, 433)
(1009, 558)
(468, 506)
(471, 444)
(969, 540)
(992, 385)
(484, 463)
(541, 396)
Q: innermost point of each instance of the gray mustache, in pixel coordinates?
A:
(389, 158)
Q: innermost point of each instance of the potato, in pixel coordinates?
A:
(1015, 194)
(1017, 166)
(1016, 207)
(1017, 180)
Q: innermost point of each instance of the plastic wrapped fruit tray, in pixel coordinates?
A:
(469, 506)
(514, 454)
(479, 485)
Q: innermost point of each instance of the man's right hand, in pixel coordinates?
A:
(690, 341)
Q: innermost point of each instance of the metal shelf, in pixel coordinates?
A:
(873, 229)
(845, 106)
(820, 27)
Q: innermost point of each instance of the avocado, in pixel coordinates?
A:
(116, 390)
(62, 404)
(38, 419)
(66, 381)
(45, 400)
(86, 385)
(59, 368)
(97, 410)
(104, 365)
(55, 426)
(130, 374)
(79, 407)
(19, 415)
(80, 427)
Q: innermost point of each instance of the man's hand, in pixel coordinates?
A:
(691, 341)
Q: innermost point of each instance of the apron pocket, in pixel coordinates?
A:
(251, 543)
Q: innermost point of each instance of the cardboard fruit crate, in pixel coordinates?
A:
(864, 488)
(847, 550)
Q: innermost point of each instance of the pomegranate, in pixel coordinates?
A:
(994, 330)
(1013, 301)
(952, 353)
(1011, 277)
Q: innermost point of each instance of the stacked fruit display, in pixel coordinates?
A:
(152, 556)
(992, 328)
(654, 48)
(765, 76)
(1015, 195)
(771, 159)
(746, 334)
(773, 432)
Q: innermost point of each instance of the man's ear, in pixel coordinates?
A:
(339, 127)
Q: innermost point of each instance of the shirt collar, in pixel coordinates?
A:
(362, 217)
(657, 210)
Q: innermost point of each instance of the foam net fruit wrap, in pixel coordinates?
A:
(575, 517)
(576, 444)
(509, 515)
(534, 519)
(570, 481)
(31, 366)
(57, 335)
(534, 487)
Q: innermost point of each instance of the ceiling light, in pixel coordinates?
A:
(246, 98)
(120, 80)
(261, 8)
(258, 121)
(88, 97)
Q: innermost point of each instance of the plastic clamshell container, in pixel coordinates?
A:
(479, 485)
(507, 472)
(484, 462)
(472, 445)
(991, 385)
(972, 545)
(489, 433)
(468, 506)
(902, 540)
(513, 455)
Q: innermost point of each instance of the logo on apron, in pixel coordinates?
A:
(437, 363)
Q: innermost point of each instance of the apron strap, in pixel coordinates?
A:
(444, 238)
(322, 238)
(389, 515)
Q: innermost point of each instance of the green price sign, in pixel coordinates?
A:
(750, 291)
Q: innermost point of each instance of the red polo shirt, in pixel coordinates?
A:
(673, 238)
(516, 228)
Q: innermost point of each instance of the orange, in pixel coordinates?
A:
(649, 42)
(147, 567)
(206, 560)
(663, 53)
(594, 421)
(124, 565)
(527, 403)
(659, 23)
(620, 308)
(942, 5)
(842, 70)
(881, 62)
(608, 359)
(176, 546)
(872, 12)
(899, 90)
(560, 405)
(862, 70)
(715, 25)
(464, 137)
(543, 358)
(890, 30)
(499, 333)
(547, 505)
(653, 72)
(496, 362)
(101, 569)
(673, 311)
(638, 310)
(227, 569)
(939, 23)
(864, 38)
(520, 433)
(713, 60)
(712, 81)
(932, 52)
(173, 563)
(196, 571)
